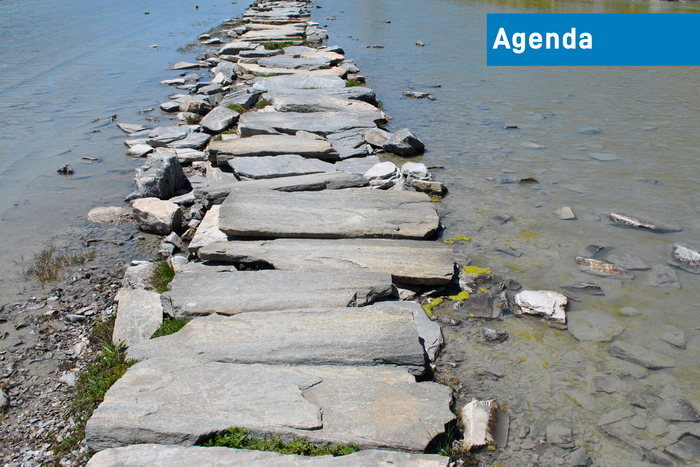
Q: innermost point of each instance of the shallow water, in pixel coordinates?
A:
(642, 161)
(63, 65)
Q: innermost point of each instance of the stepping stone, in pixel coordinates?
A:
(227, 293)
(277, 89)
(292, 63)
(271, 145)
(408, 261)
(153, 455)
(351, 213)
(308, 103)
(378, 334)
(236, 47)
(183, 401)
(313, 182)
(592, 326)
(278, 34)
(640, 356)
(322, 123)
(277, 166)
(255, 69)
(302, 82)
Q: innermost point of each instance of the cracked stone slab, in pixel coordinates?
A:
(139, 315)
(322, 123)
(228, 293)
(379, 334)
(408, 261)
(183, 401)
(278, 166)
(312, 182)
(331, 214)
(154, 455)
(271, 145)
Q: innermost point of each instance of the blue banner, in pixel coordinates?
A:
(593, 39)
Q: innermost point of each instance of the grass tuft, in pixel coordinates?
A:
(261, 103)
(196, 120)
(237, 108)
(352, 83)
(170, 326)
(240, 438)
(161, 276)
(277, 45)
(48, 263)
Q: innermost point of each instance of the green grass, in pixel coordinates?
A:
(240, 438)
(230, 131)
(237, 108)
(108, 365)
(352, 83)
(261, 103)
(277, 45)
(170, 326)
(48, 263)
(161, 276)
(194, 120)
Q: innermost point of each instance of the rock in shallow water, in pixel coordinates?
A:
(479, 419)
(685, 258)
(598, 268)
(639, 355)
(109, 215)
(641, 223)
(628, 261)
(592, 326)
(543, 303)
(662, 276)
(157, 216)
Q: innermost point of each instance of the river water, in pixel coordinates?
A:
(608, 139)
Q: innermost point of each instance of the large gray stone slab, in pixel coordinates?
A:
(161, 176)
(219, 119)
(191, 141)
(592, 326)
(139, 315)
(207, 231)
(284, 33)
(245, 98)
(353, 213)
(228, 293)
(349, 144)
(184, 401)
(379, 334)
(310, 102)
(302, 82)
(313, 182)
(640, 356)
(278, 91)
(357, 165)
(154, 455)
(277, 166)
(322, 123)
(271, 145)
(408, 261)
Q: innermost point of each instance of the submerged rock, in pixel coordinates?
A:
(598, 268)
(493, 335)
(686, 258)
(687, 448)
(483, 305)
(589, 251)
(549, 305)
(109, 215)
(479, 419)
(609, 384)
(628, 261)
(662, 276)
(639, 355)
(592, 326)
(565, 213)
(584, 286)
(678, 410)
(641, 223)
(614, 415)
(674, 337)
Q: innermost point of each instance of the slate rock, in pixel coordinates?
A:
(674, 337)
(493, 335)
(219, 119)
(584, 286)
(383, 333)
(543, 303)
(580, 458)
(139, 315)
(316, 102)
(686, 258)
(640, 223)
(609, 384)
(130, 127)
(640, 356)
(404, 143)
(349, 144)
(614, 415)
(377, 137)
(318, 96)
(677, 410)
(161, 176)
(191, 141)
(686, 449)
(271, 145)
(303, 82)
(162, 136)
(628, 261)
(598, 268)
(196, 106)
(558, 434)
(182, 401)
(156, 216)
(663, 276)
(188, 156)
(592, 326)
(245, 98)
(322, 123)
(170, 106)
(408, 261)
(184, 66)
(150, 455)
(660, 458)
(136, 276)
(277, 166)
(331, 214)
(483, 305)
(268, 290)
(109, 215)
(139, 150)
(630, 311)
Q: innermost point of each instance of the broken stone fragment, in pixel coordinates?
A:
(479, 419)
(641, 223)
(157, 216)
(686, 258)
(549, 305)
(639, 355)
(493, 335)
(404, 143)
(196, 106)
(432, 188)
(471, 282)
(565, 213)
(598, 268)
(109, 215)
(139, 316)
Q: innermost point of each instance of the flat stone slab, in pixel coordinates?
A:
(382, 333)
(139, 315)
(309, 103)
(208, 230)
(271, 145)
(183, 402)
(277, 166)
(592, 326)
(154, 455)
(302, 82)
(350, 213)
(277, 90)
(322, 123)
(312, 182)
(640, 356)
(257, 70)
(228, 293)
(277, 34)
(408, 261)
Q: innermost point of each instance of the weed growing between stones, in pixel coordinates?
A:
(261, 103)
(230, 131)
(277, 45)
(237, 108)
(240, 438)
(48, 264)
(161, 276)
(170, 326)
(194, 120)
(108, 365)
(352, 83)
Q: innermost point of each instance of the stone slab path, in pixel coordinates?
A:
(408, 261)
(182, 401)
(148, 455)
(384, 333)
(322, 123)
(277, 166)
(271, 145)
(228, 293)
(330, 214)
